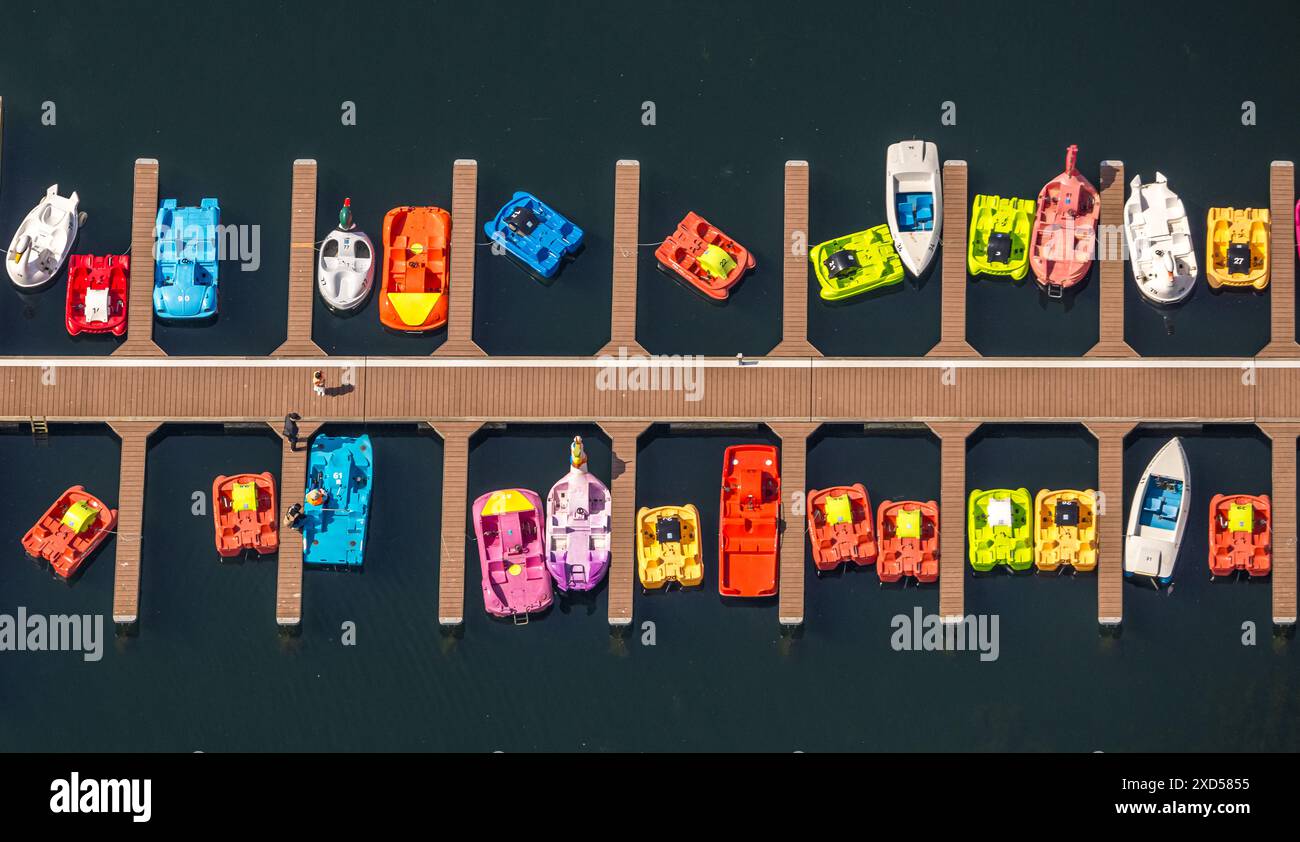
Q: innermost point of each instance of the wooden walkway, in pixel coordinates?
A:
(1111, 265)
(794, 266)
(794, 480)
(130, 518)
(1112, 507)
(293, 484)
(464, 231)
(953, 390)
(952, 265)
(627, 216)
(139, 305)
(623, 436)
(302, 263)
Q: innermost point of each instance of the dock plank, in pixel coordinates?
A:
(464, 231)
(1284, 520)
(952, 517)
(1282, 251)
(952, 264)
(1111, 264)
(623, 437)
(794, 480)
(794, 266)
(1110, 519)
(293, 485)
(627, 228)
(302, 263)
(139, 305)
(130, 518)
(455, 506)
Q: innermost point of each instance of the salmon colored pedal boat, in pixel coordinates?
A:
(1241, 534)
(70, 530)
(704, 257)
(747, 528)
(244, 514)
(413, 298)
(1063, 242)
(908, 532)
(840, 526)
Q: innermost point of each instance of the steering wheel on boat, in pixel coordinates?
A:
(580, 512)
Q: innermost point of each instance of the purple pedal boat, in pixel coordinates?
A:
(577, 526)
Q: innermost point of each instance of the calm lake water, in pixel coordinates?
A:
(549, 107)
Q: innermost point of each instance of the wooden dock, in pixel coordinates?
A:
(953, 390)
(1282, 248)
(1111, 507)
(623, 436)
(130, 518)
(139, 306)
(455, 505)
(794, 480)
(464, 231)
(794, 266)
(627, 228)
(1111, 266)
(293, 484)
(952, 266)
(302, 263)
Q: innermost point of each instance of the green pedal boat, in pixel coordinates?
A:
(999, 236)
(999, 529)
(858, 263)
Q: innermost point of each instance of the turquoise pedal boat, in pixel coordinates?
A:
(336, 509)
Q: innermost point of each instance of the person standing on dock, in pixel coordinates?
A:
(291, 429)
(318, 382)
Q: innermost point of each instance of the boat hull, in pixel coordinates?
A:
(1237, 247)
(749, 510)
(1063, 242)
(998, 244)
(577, 531)
(242, 521)
(687, 250)
(415, 290)
(345, 269)
(908, 533)
(1241, 534)
(1159, 242)
(508, 529)
(65, 541)
(97, 292)
(668, 547)
(841, 527)
(336, 505)
(186, 268)
(874, 262)
(43, 240)
(1065, 530)
(998, 529)
(914, 201)
(1158, 515)
(535, 234)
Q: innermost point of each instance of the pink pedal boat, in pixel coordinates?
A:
(577, 526)
(1063, 242)
(508, 525)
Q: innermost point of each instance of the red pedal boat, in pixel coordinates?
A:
(704, 257)
(747, 526)
(1063, 242)
(909, 540)
(1241, 534)
(70, 530)
(97, 287)
(840, 526)
(244, 514)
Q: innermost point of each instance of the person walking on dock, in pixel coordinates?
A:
(291, 429)
(318, 382)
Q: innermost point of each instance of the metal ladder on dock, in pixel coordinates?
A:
(40, 429)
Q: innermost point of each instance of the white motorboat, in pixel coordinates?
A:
(44, 239)
(345, 270)
(914, 201)
(1159, 241)
(1158, 517)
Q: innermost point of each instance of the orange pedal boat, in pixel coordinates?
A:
(840, 526)
(1241, 534)
(704, 257)
(747, 525)
(244, 514)
(414, 293)
(908, 532)
(70, 530)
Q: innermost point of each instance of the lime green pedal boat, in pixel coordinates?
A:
(999, 529)
(858, 263)
(999, 236)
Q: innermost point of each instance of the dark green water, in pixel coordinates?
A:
(547, 102)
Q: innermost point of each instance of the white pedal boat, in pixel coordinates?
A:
(914, 201)
(1158, 517)
(1159, 241)
(345, 269)
(43, 240)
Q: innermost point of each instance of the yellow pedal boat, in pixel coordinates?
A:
(998, 244)
(1065, 529)
(1236, 242)
(668, 546)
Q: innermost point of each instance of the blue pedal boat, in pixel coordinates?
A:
(185, 269)
(534, 233)
(336, 508)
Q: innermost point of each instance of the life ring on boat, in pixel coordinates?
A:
(316, 497)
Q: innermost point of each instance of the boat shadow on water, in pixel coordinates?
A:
(876, 294)
(586, 602)
(720, 303)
